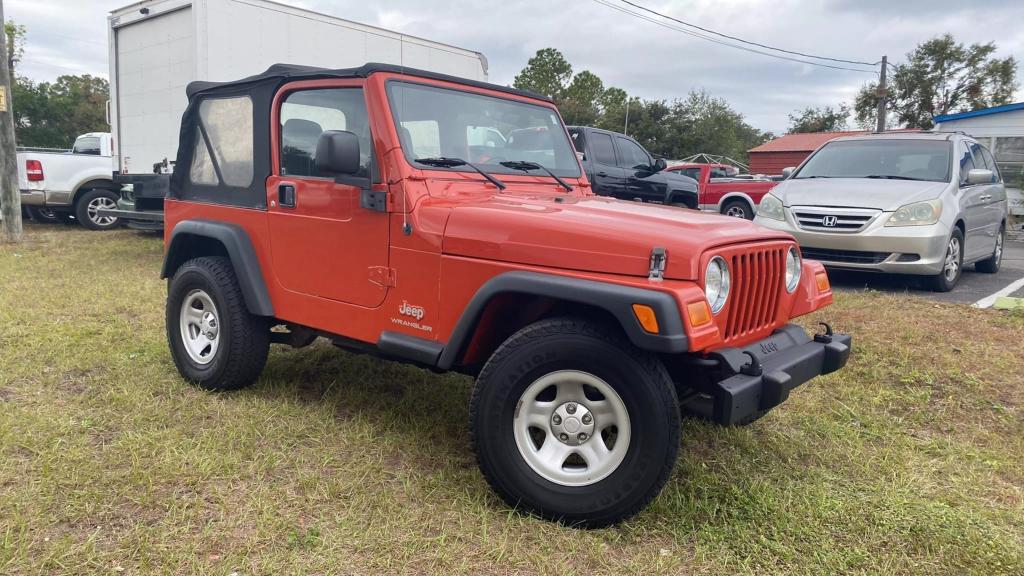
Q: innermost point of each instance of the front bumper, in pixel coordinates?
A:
(880, 248)
(758, 377)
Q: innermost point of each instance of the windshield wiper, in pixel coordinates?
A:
(807, 177)
(444, 162)
(527, 166)
(891, 177)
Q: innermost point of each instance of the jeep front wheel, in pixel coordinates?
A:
(215, 342)
(573, 423)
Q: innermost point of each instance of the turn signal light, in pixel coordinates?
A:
(648, 319)
(821, 279)
(699, 313)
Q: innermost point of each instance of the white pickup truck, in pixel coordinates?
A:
(76, 183)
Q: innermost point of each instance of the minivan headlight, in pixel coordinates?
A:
(770, 207)
(716, 284)
(916, 214)
(793, 269)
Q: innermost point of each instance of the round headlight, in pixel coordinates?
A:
(716, 283)
(792, 269)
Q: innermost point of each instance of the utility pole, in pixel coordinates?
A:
(10, 196)
(625, 127)
(882, 93)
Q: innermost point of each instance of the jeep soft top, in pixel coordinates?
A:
(404, 213)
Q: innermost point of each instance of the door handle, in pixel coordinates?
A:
(286, 195)
(602, 174)
(985, 197)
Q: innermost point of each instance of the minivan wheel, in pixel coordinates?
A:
(214, 340)
(991, 264)
(571, 422)
(952, 263)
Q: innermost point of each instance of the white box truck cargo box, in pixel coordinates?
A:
(159, 46)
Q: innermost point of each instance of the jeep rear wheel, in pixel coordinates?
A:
(571, 422)
(215, 342)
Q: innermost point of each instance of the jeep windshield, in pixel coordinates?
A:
(888, 159)
(485, 131)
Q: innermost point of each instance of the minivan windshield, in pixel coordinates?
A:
(434, 122)
(893, 159)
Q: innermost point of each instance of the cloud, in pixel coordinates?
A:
(69, 36)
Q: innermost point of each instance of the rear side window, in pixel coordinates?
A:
(224, 147)
(719, 172)
(87, 145)
(981, 153)
(602, 148)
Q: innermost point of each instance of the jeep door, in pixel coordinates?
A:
(323, 243)
(609, 178)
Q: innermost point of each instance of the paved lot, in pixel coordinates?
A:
(972, 287)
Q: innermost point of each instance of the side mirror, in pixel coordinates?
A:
(787, 172)
(980, 176)
(659, 165)
(337, 152)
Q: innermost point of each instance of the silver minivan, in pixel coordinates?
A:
(924, 203)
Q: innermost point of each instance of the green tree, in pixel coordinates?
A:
(941, 77)
(15, 43)
(824, 119)
(704, 123)
(547, 73)
(52, 114)
(581, 100)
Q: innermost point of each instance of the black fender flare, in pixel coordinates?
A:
(240, 251)
(616, 299)
(691, 198)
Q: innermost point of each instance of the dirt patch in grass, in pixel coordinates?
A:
(909, 461)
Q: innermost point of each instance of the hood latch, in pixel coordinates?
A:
(659, 258)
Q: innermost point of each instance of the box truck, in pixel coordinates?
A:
(158, 46)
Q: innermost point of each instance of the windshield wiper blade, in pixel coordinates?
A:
(527, 166)
(890, 177)
(444, 162)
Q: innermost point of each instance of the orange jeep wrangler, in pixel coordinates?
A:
(447, 223)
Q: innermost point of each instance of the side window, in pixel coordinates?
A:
(579, 142)
(306, 114)
(966, 163)
(691, 172)
(224, 147)
(602, 147)
(631, 155)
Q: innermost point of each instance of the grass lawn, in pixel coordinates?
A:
(909, 461)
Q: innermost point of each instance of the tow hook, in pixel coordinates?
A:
(825, 338)
(753, 368)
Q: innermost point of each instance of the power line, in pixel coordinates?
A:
(752, 43)
(728, 44)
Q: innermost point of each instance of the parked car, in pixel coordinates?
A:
(907, 203)
(724, 190)
(618, 166)
(581, 316)
(159, 46)
(73, 184)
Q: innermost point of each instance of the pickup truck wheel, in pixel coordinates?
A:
(952, 263)
(88, 205)
(43, 215)
(738, 209)
(991, 264)
(571, 422)
(215, 342)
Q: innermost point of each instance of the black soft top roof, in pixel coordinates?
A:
(281, 73)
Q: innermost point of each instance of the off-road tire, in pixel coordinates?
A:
(738, 206)
(940, 282)
(43, 215)
(638, 377)
(991, 264)
(244, 337)
(82, 209)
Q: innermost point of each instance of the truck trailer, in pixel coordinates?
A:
(158, 46)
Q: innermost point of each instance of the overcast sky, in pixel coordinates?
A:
(647, 60)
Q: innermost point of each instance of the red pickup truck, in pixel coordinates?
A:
(722, 190)
(360, 206)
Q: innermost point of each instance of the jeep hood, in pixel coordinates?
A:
(591, 233)
(879, 194)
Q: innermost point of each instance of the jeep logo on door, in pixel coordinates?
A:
(829, 221)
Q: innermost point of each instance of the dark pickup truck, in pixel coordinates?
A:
(618, 166)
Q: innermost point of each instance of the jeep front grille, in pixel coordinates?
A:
(825, 219)
(757, 278)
